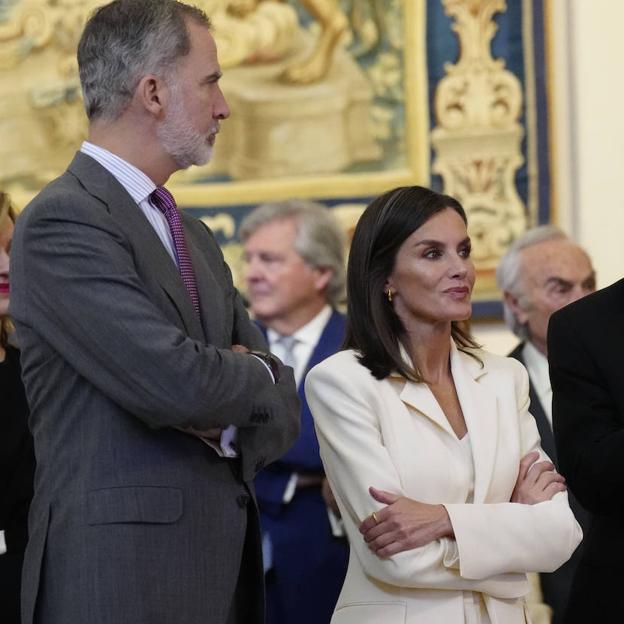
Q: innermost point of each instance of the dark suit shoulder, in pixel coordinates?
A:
(516, 352)
(607, 302)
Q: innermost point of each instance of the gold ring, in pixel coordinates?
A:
(375, 518)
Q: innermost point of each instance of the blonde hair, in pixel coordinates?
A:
(6, 210)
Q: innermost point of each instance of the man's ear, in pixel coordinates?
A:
(514, 304)
(153, 94)
(322, 277)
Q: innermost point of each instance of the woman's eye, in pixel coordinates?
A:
(465, 252)
(433, 254)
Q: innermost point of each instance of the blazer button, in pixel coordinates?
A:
(242, 501)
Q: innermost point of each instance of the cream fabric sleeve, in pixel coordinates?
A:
(344, 402)
(512, 537)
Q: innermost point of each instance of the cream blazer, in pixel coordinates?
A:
(393, 435)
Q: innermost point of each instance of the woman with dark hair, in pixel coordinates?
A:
(432, 455)
(16, 446)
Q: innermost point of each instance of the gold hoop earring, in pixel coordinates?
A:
(389, 293)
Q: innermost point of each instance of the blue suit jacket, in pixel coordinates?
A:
(304, 455)
(309, 563)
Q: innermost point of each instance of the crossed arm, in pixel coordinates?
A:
(450, 546)
(404, 523)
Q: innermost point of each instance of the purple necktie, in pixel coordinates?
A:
(163, 200)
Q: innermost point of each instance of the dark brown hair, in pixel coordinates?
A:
(373, 327)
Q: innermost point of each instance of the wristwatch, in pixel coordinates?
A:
(270, 361)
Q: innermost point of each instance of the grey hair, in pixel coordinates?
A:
(125, 40)
(320, 240)
(508, 271)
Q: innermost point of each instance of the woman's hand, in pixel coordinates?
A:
(537, 481)
(404, 524)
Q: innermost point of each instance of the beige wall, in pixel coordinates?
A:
(587, 87)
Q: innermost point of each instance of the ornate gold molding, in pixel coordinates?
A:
(477, 138)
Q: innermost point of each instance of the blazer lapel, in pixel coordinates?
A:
(481, 415)
(329, 342)
(543, 426)
(103, 185)
(420, 397)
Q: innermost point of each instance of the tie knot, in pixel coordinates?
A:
(163, 199)
(288, 344)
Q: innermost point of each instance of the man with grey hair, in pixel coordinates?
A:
(151, 409)
(295, 281)
(542, 271)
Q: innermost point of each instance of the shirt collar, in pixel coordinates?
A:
(310, 333)
(537, 365)
(138, 185)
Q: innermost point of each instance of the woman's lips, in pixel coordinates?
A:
(4, 288)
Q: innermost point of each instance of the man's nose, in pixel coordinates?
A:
(221, 110)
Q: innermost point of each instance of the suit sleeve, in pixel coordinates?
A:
(82, 292)
(495, 538)
(588, 423)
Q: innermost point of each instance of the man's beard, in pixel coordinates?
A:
(179, 139)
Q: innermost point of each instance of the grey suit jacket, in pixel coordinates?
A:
(134, 521)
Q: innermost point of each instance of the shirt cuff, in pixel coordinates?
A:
(265, 365)
(3, 546)
(291, 488)
(336, 524)
(226, 447)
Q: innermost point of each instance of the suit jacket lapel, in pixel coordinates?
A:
(536, 409)
(329, 342)
(212, 304)
(481, 415)
(420, 397)
(103, 185)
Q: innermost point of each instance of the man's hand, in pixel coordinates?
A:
(240, 348)
(537, 481)
(404, 524)
(328, 497)
(210, 434)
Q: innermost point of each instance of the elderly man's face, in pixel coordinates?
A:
(283, 290)
(553, 273)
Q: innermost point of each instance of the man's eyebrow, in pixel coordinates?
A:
(558, 280)
(213, 77)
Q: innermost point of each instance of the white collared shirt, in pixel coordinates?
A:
(139, 187)
(307, 337)
(537, 365)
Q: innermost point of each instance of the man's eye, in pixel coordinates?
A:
(562, 289)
